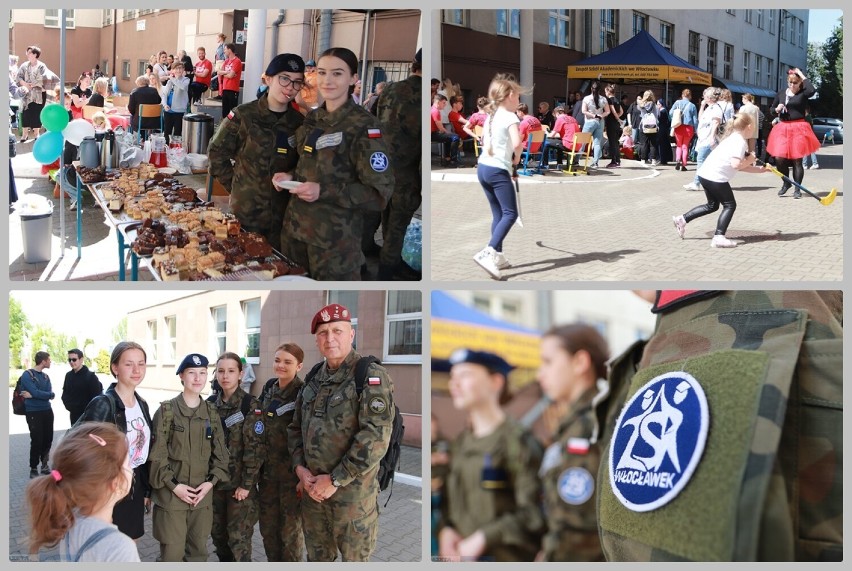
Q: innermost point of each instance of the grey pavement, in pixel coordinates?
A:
(400, 523)
(616, 225)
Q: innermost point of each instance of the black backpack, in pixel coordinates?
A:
(391, 460)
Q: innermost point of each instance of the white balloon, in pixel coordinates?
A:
(77, 130)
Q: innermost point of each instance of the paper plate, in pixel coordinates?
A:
(288, 184)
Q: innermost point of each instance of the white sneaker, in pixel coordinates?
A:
(655, 163)
(692, 186)
(722, 242)
(680, 225)
(486, 260)
(814, 166)
(501, 261)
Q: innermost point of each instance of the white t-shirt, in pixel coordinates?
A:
(592, 106)
(706, 133)
(112, 547)
(138, 435)
(717, 166)
(496, 137)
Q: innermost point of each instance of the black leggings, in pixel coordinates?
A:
(40, 424)
(613, 134)
(716, 192)
(784, 166)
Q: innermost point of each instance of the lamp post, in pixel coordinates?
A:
(783, 16)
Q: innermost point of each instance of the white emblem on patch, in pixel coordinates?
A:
(196, 360)
(330, 140)
(291, 141)
(552, 457)
(234, 418)
(377, 405)
(258, 427)
(658, 441)
(324, 315)
(575, 486)
(379, 161)
(285, 408)
(345, 313)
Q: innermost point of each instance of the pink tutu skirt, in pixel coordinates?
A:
(792, 140)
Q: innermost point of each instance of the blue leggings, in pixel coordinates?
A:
(497, 184)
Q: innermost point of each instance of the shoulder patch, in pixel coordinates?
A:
(259, 427)
(575, 486)
(378, 405)
(374, 380)
(379, 161)
(330, 140)
(374, 133)
(658, 441)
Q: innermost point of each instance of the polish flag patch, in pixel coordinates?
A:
(374, 133)
(374, 381)
(577, 446)
(231, 115)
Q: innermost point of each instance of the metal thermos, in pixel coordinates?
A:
(109, 151)
(197, 132)
(89, 157)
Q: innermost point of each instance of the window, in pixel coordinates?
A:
(510, 310)
(171, 348)
(712, 45)
(151, 341)
(792, 29)
(640, 22)
(760, 18)
(559, 28)
(694, 46)
(771, 21)
(125, 69)
(219, 317)
(456, 17)
(757, 61)
(403, 327)
(509, 23)
(731, 12)
(746, 65)
(142, 64)
(609, 29)
(748, 16)
(482, 304)
(801, 33)
(143, 12)
(129, 14)
(769, 64)
(729, 62)
(107, 17)
(51, 19)
(251, 331)
(667, 35)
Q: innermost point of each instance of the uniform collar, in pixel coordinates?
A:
(186, 410)
(336, 116)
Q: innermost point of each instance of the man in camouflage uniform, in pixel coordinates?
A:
(345, 153)
(400, 109)
(257, 140)
(756, 471)
(280, 504)
(337, 441)
(235, 502)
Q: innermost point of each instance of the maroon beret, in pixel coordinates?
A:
(328, 314)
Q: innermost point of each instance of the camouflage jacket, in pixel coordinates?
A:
(568, 471)
(334, 432)
(279, 407)
(346, 153)
(260, 143)
(245, 439)
(191, 451)
(753, 474)
(493, 486)
(400, 109)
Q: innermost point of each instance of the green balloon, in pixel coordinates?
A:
(54, 117)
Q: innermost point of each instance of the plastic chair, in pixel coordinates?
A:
(477, 150)
(89, 112)
(534, 143)
(147, 111)
(580, 146)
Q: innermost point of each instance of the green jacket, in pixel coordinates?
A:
(767, 485)
(279, 407)
(493, 486)
(245, 440)
(400, 109)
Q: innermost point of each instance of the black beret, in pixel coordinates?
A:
(285, 62)
(490, 361)
(192, 360)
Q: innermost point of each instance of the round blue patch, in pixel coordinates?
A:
(258, 427)
(576, 486)
(379, 161)
(658, 441)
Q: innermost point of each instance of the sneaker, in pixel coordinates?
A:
(501, 261)
(593, 167)
(611, 165)
(806, 167)
(680, 225)
(677, 166)
(784, 188)
(45, 470)
(797, 194)
(814, 166)
(655, 163)
(486, 260)
(692, 186)
(720, 241)
(33, 473)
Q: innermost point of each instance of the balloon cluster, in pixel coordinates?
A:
(54, 118)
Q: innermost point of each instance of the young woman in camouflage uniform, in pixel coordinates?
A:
(345, 170)
(280, 511)
(573, 366)
(235, 505)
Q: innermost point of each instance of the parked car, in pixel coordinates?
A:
(822, 126)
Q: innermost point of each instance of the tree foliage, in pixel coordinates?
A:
(44, 338)
(18, 327)
(119, 332)
(825, 67)
(101, 362)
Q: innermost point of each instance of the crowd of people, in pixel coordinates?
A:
(302, 458)
(620, 468)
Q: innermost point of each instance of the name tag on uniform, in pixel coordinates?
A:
(285, 408)
(234, 419)
(335, 399)
(551, 459)
(330, 140)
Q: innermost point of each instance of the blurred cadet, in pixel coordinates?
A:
(729, 443)
(492, 506)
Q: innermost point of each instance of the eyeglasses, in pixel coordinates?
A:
(285, 81)
(74, 360)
